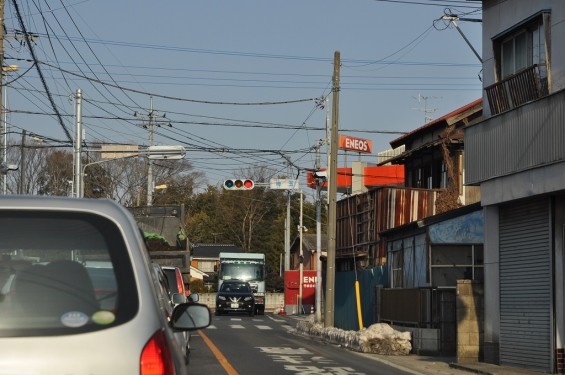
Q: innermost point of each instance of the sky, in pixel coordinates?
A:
(240, 84)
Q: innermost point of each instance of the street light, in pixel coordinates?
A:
(4, 168)
(152, 153)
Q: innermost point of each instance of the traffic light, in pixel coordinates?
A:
(239, 184)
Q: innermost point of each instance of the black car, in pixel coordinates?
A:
(235, 296)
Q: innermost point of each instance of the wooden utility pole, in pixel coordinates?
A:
(332, 197)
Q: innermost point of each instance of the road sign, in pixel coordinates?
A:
(283, 184)
(165, 152)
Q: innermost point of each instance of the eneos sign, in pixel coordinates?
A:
(355, 144)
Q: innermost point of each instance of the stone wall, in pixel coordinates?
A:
(470, 321)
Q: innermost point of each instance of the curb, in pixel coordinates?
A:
(458, 366)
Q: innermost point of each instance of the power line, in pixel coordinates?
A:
(181, 99)
(34, 57)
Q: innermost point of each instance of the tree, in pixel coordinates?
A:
(56, 177)
(180, 179)
(35, 159)
(202, 221)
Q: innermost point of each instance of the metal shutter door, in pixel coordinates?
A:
(526, 286)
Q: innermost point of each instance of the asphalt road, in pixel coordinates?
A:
(266, 344)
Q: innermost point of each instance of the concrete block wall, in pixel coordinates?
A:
(424, 340)
(470, 321)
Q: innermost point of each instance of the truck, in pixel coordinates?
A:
(248, 267)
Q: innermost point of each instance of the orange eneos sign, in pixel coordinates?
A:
(355, 144)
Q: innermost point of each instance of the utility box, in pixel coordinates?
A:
(292, 291)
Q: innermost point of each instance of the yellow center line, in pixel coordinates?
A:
(218, 354)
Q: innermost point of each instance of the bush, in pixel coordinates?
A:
(197, 286)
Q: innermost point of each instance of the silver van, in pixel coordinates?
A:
(78, 294)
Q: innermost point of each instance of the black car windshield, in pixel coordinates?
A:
(235, 288)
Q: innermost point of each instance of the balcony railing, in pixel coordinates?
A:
(517, 89)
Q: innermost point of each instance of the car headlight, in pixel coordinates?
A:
(248, 298)
(222, 298)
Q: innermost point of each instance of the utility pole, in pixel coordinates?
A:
(318, 238)
(3, 129)
(332, 196)
(150, 167)
(301, 257)
(287, 227)
(22, 163)
(328, 156)
(150, 123)
(78, 184)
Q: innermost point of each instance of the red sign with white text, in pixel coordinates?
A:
(292, 287)
(355, 144)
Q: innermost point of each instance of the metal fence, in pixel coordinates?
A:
(421, 308)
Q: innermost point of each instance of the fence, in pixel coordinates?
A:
(421, 308)
(345, 316)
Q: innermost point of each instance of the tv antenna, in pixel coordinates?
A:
(427, 111)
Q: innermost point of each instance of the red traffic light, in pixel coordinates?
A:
(239, 184)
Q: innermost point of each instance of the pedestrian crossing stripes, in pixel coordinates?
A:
(239, 326)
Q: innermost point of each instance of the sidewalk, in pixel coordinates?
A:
(432, 365)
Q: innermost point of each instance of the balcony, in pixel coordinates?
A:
(528, 137)
(517, 89)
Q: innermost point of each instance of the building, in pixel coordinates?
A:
(309, 251)
(425, 259)
(432, 164)
(516, 155)
(434, 153)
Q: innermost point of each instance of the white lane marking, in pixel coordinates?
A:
(276, 320)
(211, 327)
(263, 327)
(237, 326)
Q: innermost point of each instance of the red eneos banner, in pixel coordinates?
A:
(355, 144)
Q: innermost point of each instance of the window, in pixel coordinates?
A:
(522, 48)
(450, 263)
(443, 183)
(397, 269)
(207, 265)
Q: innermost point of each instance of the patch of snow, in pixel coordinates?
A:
(379, 338)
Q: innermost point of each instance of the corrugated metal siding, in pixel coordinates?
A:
(361, 217)
(529, 136)
(526, 286)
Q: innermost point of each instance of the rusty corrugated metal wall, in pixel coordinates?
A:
(361, 217)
